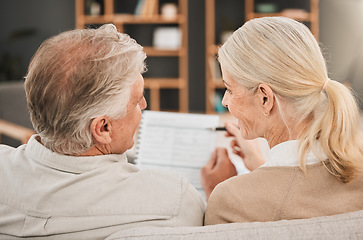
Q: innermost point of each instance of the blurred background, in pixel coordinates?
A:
(180, 73)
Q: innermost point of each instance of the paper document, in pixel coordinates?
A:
(179, 142)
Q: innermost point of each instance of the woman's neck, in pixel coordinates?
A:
(278, 133)
(282, 130)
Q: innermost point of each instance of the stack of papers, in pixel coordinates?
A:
(177, 142)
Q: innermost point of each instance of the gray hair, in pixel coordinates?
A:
(76, 76)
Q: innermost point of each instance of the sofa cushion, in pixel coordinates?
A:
(342, 226)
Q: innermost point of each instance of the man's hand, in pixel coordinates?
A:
(218, 169)
(248, 150)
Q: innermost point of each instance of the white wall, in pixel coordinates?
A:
(341, 33)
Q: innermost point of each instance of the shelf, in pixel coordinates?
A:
(130, 19)
(157, 19)
(157, 52)
(217, 83)
(302, 16)
(171, 83)
(96, 19)
(155, 84)
(311, 16)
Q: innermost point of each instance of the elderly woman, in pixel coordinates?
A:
(72, 180)
(278, 88)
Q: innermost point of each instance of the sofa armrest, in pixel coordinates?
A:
(15, 131)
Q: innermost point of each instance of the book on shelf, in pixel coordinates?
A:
(139, 6)
(146, 8)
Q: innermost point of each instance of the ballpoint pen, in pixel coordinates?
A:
(217, 129)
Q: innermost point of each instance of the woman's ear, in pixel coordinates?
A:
(101, 129)
(266, 98)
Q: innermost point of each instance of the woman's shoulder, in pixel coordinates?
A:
(249, 197)
(260, 176)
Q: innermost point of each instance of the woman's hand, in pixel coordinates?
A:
(248, 150)
(217, 169)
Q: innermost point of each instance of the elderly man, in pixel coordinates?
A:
(72, 180)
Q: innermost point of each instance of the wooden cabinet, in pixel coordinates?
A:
(142, 26)
(306, 11)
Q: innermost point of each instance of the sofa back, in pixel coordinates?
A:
(342, 226)
(13, 107)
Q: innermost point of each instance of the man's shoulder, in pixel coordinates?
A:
(6, 149)
(160, 173)
(7, 152)
(164, 179)
(162, 188)
(168, 180)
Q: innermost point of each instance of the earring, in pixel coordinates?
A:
(266, 114)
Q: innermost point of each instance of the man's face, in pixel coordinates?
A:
(124, 128)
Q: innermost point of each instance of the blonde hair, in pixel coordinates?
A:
(76, 76)
(283, 54)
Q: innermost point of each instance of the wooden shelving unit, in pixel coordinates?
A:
(311, 16)
(153, 84)
(213, 80)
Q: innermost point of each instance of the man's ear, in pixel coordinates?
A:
(266, 98)
(101, 129)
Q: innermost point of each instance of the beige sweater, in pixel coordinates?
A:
(275, 193)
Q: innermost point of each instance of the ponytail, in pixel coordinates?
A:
(336, 130)
(283, 54)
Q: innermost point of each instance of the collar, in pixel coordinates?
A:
(74, 164)
(286, 154)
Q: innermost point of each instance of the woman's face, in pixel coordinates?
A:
(244, 106)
